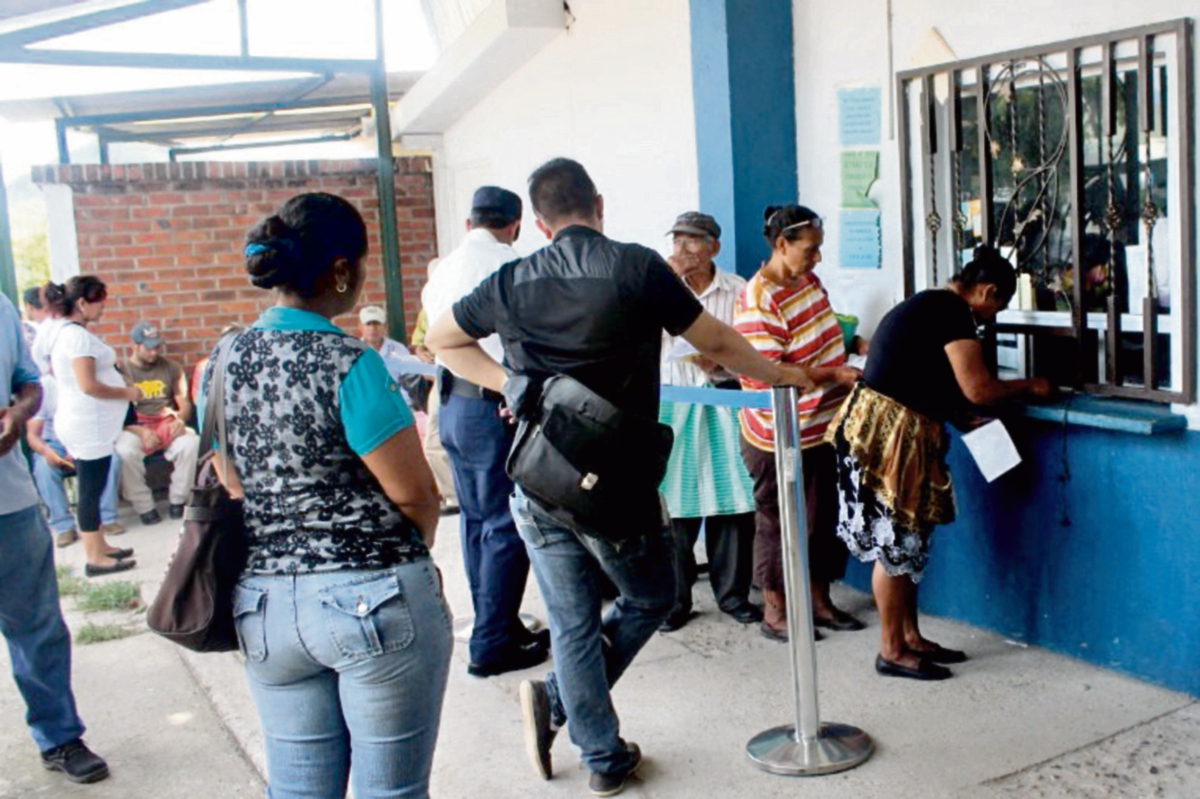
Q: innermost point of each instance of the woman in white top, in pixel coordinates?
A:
(92, 402)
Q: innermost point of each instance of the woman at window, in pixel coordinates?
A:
(785, 313)
(92, 403)
(339, 613)
(926, 368)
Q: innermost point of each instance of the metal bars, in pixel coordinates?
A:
(1124, 175)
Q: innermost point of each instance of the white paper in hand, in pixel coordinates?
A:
(992, 449)
(681, 349)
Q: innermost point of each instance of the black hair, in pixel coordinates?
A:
(989, 267)
(61, 298)
(491, 219)
(788, 221)
(561, 188)
(293, 247)
(33, 297)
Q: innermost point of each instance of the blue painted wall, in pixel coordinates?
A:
(743, 84)
(1118, 587)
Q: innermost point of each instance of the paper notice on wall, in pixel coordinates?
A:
(859, 117)
(993, 449)
(859, 170)
(858, 240)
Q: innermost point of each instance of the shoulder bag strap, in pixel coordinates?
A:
(214, 409)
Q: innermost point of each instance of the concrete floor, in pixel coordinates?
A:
(1014, 722)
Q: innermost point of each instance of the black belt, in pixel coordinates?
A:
(465, 388)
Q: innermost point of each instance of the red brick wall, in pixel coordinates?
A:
(167, 238)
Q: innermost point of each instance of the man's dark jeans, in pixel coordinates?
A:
(591, 653)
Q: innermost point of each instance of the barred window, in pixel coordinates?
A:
(1074, 160)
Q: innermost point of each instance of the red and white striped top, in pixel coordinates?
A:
(791, 325)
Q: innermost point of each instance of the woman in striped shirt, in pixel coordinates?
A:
(785, 313)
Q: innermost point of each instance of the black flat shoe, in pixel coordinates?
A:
(99, 571)
(941, 655)
(121, 554)
(925, 670)
(770, 633)
(746, 613)
(841, 621)
(676, 620)
(516, 659)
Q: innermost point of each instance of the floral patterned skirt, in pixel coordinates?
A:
(893, 483)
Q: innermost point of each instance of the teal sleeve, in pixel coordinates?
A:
(373, 409)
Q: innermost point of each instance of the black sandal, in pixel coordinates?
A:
(941, 654)
(99, 571)
(925, 670)
(770, 633)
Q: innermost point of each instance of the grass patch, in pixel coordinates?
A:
(117, 595)
(69, 584)
(98, 633)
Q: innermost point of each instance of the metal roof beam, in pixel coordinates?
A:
(94, 58)
(114, 135)
(65, 26)
(264, 107)
(332, 137)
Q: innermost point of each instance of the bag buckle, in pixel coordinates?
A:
(589, 481)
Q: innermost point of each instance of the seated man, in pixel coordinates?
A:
(52, 465)
(161, 426)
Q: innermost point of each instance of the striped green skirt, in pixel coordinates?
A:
(705, 476)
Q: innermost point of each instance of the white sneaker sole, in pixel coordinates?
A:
(529, 717)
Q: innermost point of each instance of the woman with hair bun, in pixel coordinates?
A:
(339, 611)
(926, 368)
(785, 313)
(93, 400)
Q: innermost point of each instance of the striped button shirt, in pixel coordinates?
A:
(792, 325)
(719, 299)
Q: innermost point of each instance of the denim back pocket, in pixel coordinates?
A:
(249, 612)
(368, 616)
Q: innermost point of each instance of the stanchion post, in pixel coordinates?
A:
(808, 747)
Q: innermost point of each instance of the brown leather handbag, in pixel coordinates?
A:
(194, 604)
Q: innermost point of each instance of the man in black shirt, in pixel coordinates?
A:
(593, 309)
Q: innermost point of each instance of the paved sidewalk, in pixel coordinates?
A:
(1014, 722)
(144, 712)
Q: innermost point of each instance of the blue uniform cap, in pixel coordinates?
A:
(494, 198)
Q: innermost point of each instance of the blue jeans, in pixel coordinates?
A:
(347, 670)
(39, 645)
(478, 442)
(590, 653)
(50, 487)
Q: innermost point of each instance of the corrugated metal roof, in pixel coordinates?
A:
(249, 106)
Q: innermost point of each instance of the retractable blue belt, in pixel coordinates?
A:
(681, 394)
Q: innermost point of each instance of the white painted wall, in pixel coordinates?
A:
(613, 92)
(845, 44)
(60, 232)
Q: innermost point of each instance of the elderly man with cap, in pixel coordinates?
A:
(706, 483)
(161, 425)
(372, 329)
(478, 441)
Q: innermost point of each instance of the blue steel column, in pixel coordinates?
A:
(743, 86)
(388, 234)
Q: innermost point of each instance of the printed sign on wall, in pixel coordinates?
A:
(858, 117)
(858, 242)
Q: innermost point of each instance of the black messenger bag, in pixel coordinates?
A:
(588, 463)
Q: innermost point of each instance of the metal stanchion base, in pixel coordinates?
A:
(837, 747)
